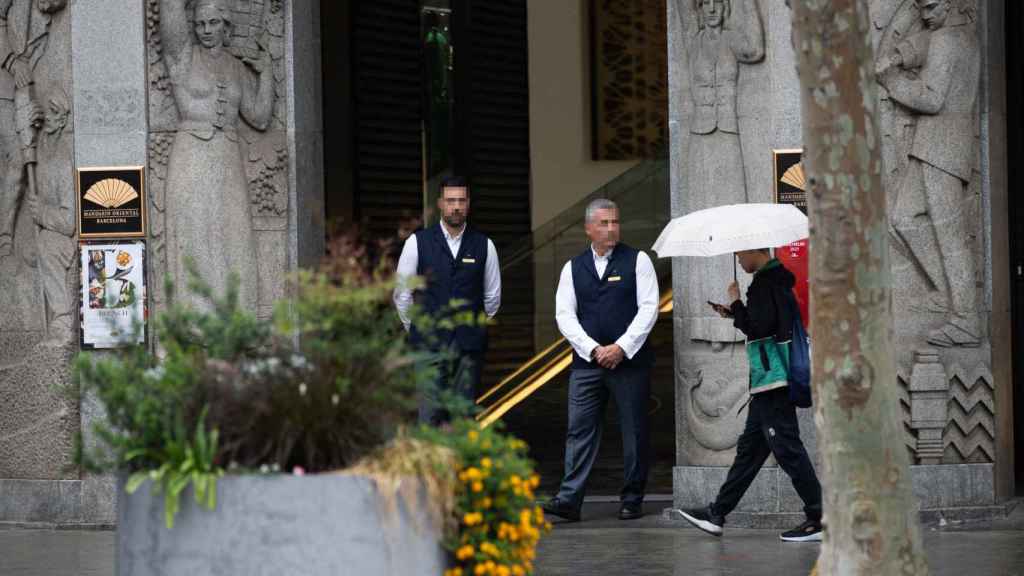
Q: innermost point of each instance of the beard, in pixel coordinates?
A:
(455, 220)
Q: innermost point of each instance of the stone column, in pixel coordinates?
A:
(108, 59)
(948, 234)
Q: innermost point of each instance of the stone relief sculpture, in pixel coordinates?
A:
(711, 404)
(36, 189)
(931, 72)
(52, 208)
(37, 244)
(728, 32)
(717, 36)
(206, 196)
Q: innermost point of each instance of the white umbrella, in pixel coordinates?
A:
(727, 229)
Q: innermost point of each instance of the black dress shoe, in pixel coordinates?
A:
(562, 509)
(631, 511)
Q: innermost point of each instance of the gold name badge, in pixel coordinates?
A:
(614, 278)
(469, 260)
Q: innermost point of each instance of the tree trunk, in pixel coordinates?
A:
(870, 512)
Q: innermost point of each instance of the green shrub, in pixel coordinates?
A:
(327, 382)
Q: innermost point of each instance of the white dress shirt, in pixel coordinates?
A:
(636, 334)
(409, 261)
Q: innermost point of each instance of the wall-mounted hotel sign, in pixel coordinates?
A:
(789, 178)
(111, 202)
(790, 188)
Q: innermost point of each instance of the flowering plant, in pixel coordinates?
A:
(496, 524)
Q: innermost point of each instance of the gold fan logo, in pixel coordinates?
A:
(111, 193)
(795, 176)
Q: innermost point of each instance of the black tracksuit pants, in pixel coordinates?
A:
(771, 428)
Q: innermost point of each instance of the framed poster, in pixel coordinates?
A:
(111, 202)
(113, 293)
(790, 188)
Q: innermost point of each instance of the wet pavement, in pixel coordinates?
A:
(601, 545)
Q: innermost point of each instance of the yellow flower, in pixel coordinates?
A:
(515, 480)
(453, 572)
(517, 570)
(472, 518)
(524, 516)
(485, 503)
(503, 570)
(473, 435)
(534, 481)
(485, 462)
(478, 486)
(464, 552)
(480, 570)
(473, 474)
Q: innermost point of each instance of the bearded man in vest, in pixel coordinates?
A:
(606, 305)
(458, 265)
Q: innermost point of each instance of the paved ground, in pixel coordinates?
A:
(601, 545)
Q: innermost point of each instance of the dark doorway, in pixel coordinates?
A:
(1014, 46)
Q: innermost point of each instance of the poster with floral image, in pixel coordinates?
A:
(113, 292)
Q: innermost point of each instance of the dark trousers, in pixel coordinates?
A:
(589, 390)
(458, 372)
(771, 428)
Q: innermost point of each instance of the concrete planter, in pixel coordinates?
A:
(273, 525)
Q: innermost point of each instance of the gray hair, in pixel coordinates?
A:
(595, 205)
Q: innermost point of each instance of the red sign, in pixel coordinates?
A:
(790, 189)
(794, 257)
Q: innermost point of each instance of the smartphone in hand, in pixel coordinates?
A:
(722, 309)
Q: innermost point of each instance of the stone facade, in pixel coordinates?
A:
(929, 72)
(87, 83)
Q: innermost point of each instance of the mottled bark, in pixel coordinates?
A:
(870, 513)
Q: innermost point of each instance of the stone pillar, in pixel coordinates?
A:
(108, 60)
(940, 172)
(929, 405)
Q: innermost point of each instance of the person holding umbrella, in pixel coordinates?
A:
(771, 427)
(766, 319)
(605, 306)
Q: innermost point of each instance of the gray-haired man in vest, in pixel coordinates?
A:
(606, 305)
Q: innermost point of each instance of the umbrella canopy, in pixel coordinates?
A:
(728, 229)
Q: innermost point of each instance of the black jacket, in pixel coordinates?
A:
(766, 313)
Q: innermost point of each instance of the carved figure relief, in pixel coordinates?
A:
(36, 188)
(929, 67)
(727, 33)
(37, 244)
(713, 407)
(206, 195)
(715, 39)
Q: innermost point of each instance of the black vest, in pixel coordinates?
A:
(606, 306)
(447, 278)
